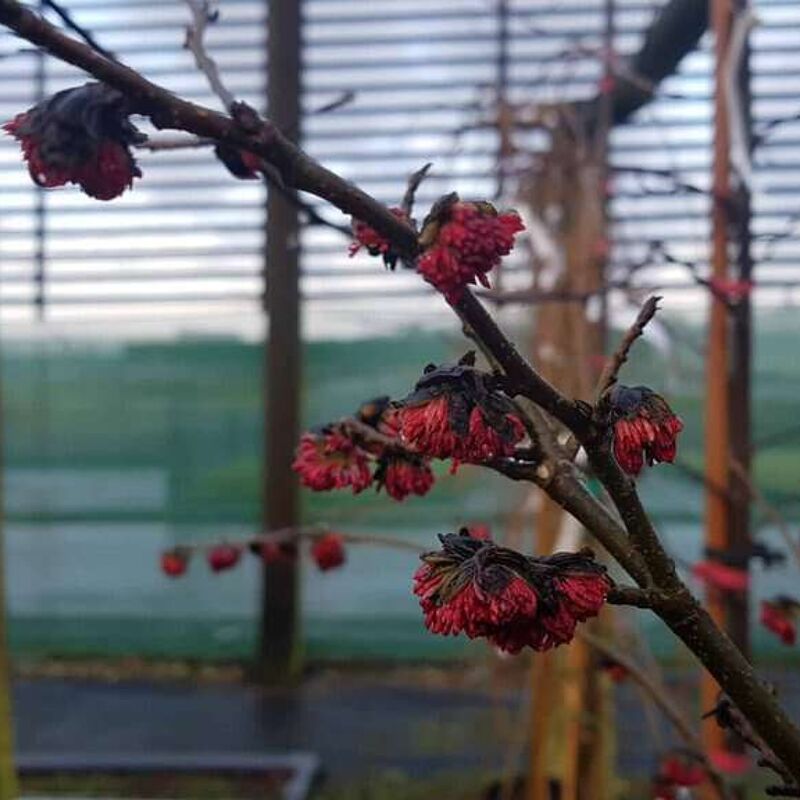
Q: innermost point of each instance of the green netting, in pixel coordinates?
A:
(114, 453)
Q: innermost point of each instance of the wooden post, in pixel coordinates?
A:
(717, 421)
(567, 698)
(728, 425)
(279, 648)
(739, 390)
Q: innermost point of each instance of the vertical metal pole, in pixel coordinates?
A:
(279, 648)
(717, 450)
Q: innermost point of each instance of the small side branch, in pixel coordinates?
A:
(202, 17)
(630, 596)
(84, 33)
(414, 182)
(611, 370)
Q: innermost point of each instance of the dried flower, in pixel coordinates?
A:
(644, 427)
(175, 562)
(459, 412)
(463, 242)
(327, 459)
(483, 590)
(328, 551)
(373, 242)
(721, 576)
(403, 475)
(223, 556)
(82, 136)
(779, 616)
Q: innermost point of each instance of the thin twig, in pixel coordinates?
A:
(157, 143)
(84, 33)
(611, 370)
(292, 534)
(343, 99)
(202, 17)
(414, 180)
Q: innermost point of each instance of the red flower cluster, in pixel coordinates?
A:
(328, 551)
(402, 476)
(475, 587)
(779, 616)
(457, 412)
(223, 556)
(463, 242)
(373, 242)
(175, 562)
(645, 428)
(677, 771)
(79, 136)
(330, 460)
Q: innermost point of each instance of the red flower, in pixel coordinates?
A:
(374, 243)
(330, 460)
(645, 429)
(175, 562)
(480, 589)
(79, 136)
(682, 771)
(480, 531)
(721, 576)
(778, 616)
(427, 427)
(328, 551)
(463, 243)
(223, 556)
(457, 412)
(402, 476)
